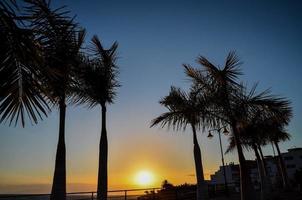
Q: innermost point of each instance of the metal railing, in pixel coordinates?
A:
(112, 195)
(172, 193)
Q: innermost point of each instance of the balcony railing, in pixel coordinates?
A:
(183, 192)
(130, 194)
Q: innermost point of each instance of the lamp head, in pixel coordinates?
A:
(225, 131)
(210, 135)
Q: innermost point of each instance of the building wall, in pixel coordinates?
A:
(292, 159)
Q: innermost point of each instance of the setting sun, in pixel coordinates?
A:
(144, 178)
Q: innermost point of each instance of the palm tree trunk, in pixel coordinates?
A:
(263, 162)
(278, 175)
(202, 190)
(282, 167)
(267, 182)
(260, 170)
(58, 191)
(103, 158)
(246, 187)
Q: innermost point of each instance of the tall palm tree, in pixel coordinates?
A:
(263, 162)
(187, 109)
(277, 135)
(21, 92)
(61, 40)
(276, 113)
(98, 84)
(271, 130)
(253, 135)
(249, 143)
(233, 104)
(260, 115)
(224, 84)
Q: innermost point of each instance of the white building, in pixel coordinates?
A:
(232, 175)
(292, 159)
(293, 162)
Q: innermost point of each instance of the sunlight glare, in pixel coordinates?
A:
(144, 178)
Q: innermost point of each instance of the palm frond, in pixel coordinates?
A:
(21, 72)
(232, 67)
(172, 118)
(232, 145)
(185, 108)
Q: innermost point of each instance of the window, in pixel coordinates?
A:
(290, 166)
(288, 158)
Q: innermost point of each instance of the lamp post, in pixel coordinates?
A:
(225, 132)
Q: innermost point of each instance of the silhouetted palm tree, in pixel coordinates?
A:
(98, 84)
(252, 136)
(61, 40)
(187, 109)
(275, 114)
(268, 115)
(232, 104)
(224, 84)
(259, 111)
(21, 91)
(277, 134)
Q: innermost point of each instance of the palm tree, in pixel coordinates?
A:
(271, 130)
(276, 113)
(253, 135)
(98, 84)
(21, 92)
(263, 113)
(232, 103)
(277, 134)
(224, 84)
(263, 162)
(249, 143)
(187, 109)
(61, 40)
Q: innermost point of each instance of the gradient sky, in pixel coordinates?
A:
(156, 38)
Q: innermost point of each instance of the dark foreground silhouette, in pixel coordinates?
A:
(188, 192)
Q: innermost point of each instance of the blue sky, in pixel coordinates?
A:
(155, 39)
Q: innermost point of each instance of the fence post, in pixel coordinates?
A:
(153, 194)
(91, 195)
(125, 194)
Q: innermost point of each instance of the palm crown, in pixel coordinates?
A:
(98, 77)
(61, 40)
(183, 109)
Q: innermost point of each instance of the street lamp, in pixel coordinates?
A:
(225, 132)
